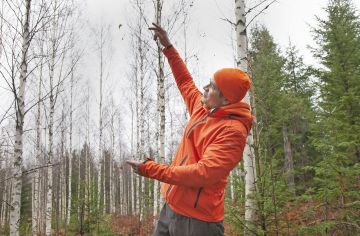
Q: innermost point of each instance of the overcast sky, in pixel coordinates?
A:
(209, 36)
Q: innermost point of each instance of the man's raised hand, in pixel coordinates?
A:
(161, 34)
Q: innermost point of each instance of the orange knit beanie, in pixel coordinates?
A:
(233, 83)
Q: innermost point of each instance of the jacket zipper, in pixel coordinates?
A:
(170, 187)
(200, 121)
(197, 197)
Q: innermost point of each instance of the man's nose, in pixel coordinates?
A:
(206, 87)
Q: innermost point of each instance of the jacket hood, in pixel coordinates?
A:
(238, 111)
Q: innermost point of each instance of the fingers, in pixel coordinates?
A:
(134, 165)
(156, 28)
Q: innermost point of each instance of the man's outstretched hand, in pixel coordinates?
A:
(135, 165)
(160, 33)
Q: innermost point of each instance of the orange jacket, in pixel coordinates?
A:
(212, 145)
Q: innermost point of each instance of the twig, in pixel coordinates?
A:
(31, 170)
(229, 21)
(243, 224)
(8, 204)
(266, 7)
(252, 8)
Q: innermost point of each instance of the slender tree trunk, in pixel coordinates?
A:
(249, 157)
(87, 160)
(6, 192)
(68, 212)
(50, 149)
(43, 186)
(1, 27)
(111, 183)
(289, 162)
(131, 203)
(36, 183)
(50, 127)
(62, 194)
(136, 178)
(101, 156)
(160, 109)
(20, 113)
(232, 197)
(79, 197)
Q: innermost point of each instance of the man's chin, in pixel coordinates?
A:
(205, 105)
(203, 100)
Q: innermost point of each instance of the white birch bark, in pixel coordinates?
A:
(6, 192)
(68, 212)
(111, 183)
(249, 157)
(160, 157)
(1, 27)
(36, 183)
(101, 158)
(232, 186)
(20, 113)
(50, 154)
(87, 158)
(62, 194)
(79, 184)
(142, 131)
(48, 220)
(136, 178)
(131, 184)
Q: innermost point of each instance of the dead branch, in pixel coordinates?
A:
(260, 12)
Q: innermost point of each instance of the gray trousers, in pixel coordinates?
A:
(173, 224)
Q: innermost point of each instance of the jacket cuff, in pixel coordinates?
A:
(142, 167)
(168, 50)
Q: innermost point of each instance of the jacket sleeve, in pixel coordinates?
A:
(218, 160)
(184, 81)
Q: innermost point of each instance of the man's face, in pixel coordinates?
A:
(212, 97)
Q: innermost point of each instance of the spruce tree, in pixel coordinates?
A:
(337, 136)
(268, 79)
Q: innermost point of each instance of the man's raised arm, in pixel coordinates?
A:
(184, 81)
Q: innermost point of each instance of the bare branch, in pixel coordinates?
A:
(260, 12)
(229, 21)
(252, 8)
(6, 112)
(30, 171)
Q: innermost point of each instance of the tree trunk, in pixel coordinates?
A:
(289, 162)
(6, 191)
(249, 157)
(62, 194)
(160, 110)
(87, 160)
(68, 212)
(20, 113)
(111, 182)
(101, 156)
(50, 127)
(36, 188)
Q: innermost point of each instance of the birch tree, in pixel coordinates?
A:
(19, 128)
(68, 210)
(160, 156)
(248, 157)
(38, 162)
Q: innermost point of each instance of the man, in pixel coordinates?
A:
(212, 145)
